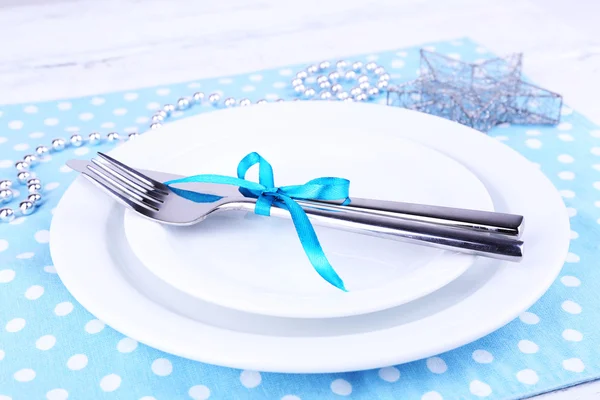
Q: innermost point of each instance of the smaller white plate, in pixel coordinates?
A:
(256, 264)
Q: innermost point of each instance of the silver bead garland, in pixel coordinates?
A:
(322, 81)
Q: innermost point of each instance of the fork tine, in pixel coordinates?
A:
(126, 190)
(135, 174)
(128, 202)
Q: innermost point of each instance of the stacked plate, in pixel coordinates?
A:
(237, 289)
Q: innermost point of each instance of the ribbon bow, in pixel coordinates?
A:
(268, 195)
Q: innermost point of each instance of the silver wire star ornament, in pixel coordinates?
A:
(480, 95)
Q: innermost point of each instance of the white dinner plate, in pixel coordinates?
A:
(95, 263)
(256, 264)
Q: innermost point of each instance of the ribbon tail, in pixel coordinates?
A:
(310, 244)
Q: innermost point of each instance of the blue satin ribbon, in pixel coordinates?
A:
(268, 195)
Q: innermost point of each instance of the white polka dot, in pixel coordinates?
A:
(130, 129)
(571, 307)
(341, 387)
(199, 392)
(153, 106)
(72, 129)
(480, 389)
(163, 91)
(454, 56)
(3, 139)
(130, 96)
(57, 394)
(389, 374)
(42, 236)
(162, 367)
(25, 256)
(567, 194)
(63, 308)
(529, 318)
(286, 72)
(65, 169)
(533, 132)
(21, 146)
(126, 345)
(86, 116)
(398, 64)
(77, 362)
(64, 106)
(533, 143)
(6, 163)
(94, 326)
(565, 126)
(51, 185)
(279, 85)
(429, 48)
(50, 269)
(141, 120)
(7, 275)
(571, 212)
(30, 109)
(566, 175)
(595, 133)
(570, 281)
(432, 396)
(402, 54)
(290, 397)
(110, 383)
(194, 85)
(572, 258)
(250, 379)
(574, 235)
(18, 220)
(37, 135)
(436, 365)
(3, 397)
(595, 151)
(15, 125)
(107, 125)
(596, 167)
(482, 356)
(3, 242)
(51, 121)
(225, 81)
(248, 88)
(565, 137)
(2, 354)
(572, 335)
(528, 347)
(573, 365)
(255, 78)
(120, 111)
(15, 325)
(24, 375)
(98, 101)
(34, 292)
(565, 159)
(271, 96)
(527, 376)
(45, 342)
(81, 151)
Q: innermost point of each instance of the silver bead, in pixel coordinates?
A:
(31, 159)
(58, 144)
(301, 75)
(155, 125)
(357, 66)
(6, 215)
(382, 84)
(21, 166)
(342, 95)
(325, 95)
(261, 101)
(94, 138)
(350, 75)
(373, 92)
(341, 65)
(379, 71)
(337, 88)
(76, 140)
(34, 181)
(41, 151)
(364, 85)
(5, 184)
(214, 99)
(245, 102)
(23, 177)
(168, 108)
(371, 66)
(36, 199)
(113, 136)
(322, 78)
(384, 77)
(26, 207)
(355, 91)
(363, 78)
(229, 102)
(312, 69)
(34, 188)
(360, 97)
(157, 118)
(132, 135)
(198, 97)
(183, 103)
(6, 195)
(325, 85)
(334, 76)
(296, 82)
(299, 89)
(309, 93)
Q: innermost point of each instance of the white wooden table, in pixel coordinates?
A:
(55, 49)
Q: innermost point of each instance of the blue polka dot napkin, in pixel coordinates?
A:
(51, 348)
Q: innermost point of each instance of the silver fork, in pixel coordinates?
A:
(156, 201)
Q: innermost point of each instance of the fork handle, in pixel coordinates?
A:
(485, 221)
